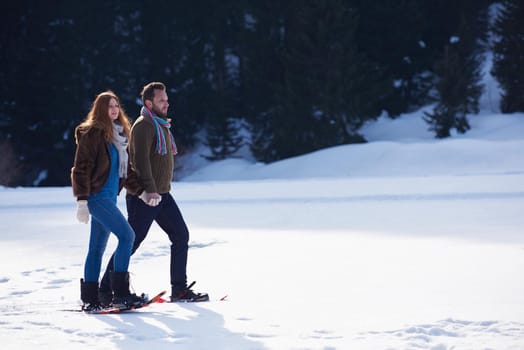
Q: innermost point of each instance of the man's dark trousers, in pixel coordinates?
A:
(168, 216)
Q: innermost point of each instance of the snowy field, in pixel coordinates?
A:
(406, 242)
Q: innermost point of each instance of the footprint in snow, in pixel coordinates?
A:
(21, 292)
(58, 283)
(324, 334)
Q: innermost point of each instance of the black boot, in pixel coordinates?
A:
(186, 294)
(89, 296)
(105, 293)
(105, 296)
(122, 297)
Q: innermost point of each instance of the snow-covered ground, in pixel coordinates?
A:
(406, 242)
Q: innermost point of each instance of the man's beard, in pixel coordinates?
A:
(159, 112)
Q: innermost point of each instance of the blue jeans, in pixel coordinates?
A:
(107, 218)
(169, 218)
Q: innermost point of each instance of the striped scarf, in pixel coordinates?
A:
(161, 146)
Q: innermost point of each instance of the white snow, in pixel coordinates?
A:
(407, 242)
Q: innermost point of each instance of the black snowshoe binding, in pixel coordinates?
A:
(187, 295)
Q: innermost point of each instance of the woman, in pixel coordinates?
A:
(98, 174)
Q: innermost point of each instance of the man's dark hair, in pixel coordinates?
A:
(148, 92)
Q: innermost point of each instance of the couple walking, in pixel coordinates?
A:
(112, 154)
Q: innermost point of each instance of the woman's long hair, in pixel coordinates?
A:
(98, 116)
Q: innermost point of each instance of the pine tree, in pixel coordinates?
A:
(223, 138)
(458, 73)
(222, 56)
(329, 73)
(391, 33)
(508, 58)
(261, 74)
(323, 90)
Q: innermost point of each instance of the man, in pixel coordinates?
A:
(151, 152)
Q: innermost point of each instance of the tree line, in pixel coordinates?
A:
(281, 77)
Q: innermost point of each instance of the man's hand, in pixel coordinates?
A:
(151, 199)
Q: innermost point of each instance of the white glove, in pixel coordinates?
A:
(82, 211)
(151, 199)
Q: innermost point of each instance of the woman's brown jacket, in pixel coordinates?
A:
(92, 162)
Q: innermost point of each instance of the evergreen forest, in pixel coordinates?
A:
(282, 77)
